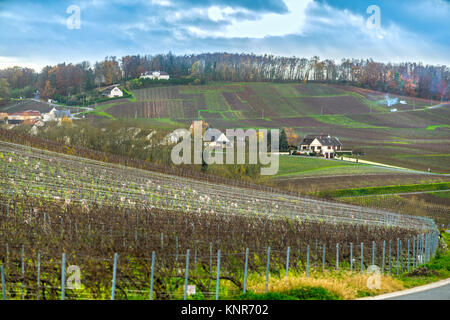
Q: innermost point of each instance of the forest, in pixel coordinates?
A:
(65, 79)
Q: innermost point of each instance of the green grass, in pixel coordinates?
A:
(432, 128)
(292, 165)
(302, 293)
(443, 195)
(302, 166)
(101, 114)
(357, 192)
(342, 120)
(157, 122)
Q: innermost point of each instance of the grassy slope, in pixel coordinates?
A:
(415, 138)
(300, 166)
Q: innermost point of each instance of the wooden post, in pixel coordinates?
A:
(398, 256)
(323, 258)
(38, 275)
(390, 256)
(63, 276)
(337, 256)
(3, 282)
(245, 270)
(186, 275)
(307, 261)
(113, 289)
(351, 257)
(23, 272)
(362, 257)
(267, 269)
(287, 261)
(218, 275)
(408, 255)
(373, 253)
(152, 274)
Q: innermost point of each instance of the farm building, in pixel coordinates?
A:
(55, 114)
(112, 92)
(324, 145)
(217, 140)
(29, 116)
(155, 75)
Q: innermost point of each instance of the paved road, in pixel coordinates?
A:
(440, 293)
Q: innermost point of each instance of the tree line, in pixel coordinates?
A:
(66, 79)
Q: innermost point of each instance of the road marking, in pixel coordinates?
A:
(409, 291)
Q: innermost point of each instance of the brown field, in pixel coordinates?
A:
(318, 90)
(24, 105)
(335, 105)
(235, 102)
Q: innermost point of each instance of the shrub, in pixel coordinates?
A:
(302, 293)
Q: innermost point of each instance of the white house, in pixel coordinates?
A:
(321, 144)
(217, 142)
(155, 75)
(112, 92)
(55, 114)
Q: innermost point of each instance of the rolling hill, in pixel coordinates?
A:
(416, 136)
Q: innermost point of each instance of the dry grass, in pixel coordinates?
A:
(345, 285)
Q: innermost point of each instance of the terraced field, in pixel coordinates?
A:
(136, 234)
(417, 137)
(239, 101)
(46, 174)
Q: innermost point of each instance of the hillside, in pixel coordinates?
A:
(415, 137)
(117, 223)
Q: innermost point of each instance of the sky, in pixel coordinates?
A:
(38, 33)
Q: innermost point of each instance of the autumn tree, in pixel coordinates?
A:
(4, 88)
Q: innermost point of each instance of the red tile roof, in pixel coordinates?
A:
(29, 113)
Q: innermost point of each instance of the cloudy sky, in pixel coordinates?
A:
(36, 33)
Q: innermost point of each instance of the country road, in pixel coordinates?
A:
(434, 291)
(439, 293)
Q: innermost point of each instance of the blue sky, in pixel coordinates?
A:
(35, 33)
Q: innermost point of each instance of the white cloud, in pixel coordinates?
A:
(268, 24)
(33, 63)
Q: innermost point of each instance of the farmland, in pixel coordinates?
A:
(108, 219)
(357, 116)
(118, 223)
(253, 101)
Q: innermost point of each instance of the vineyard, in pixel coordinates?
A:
(127, 233)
